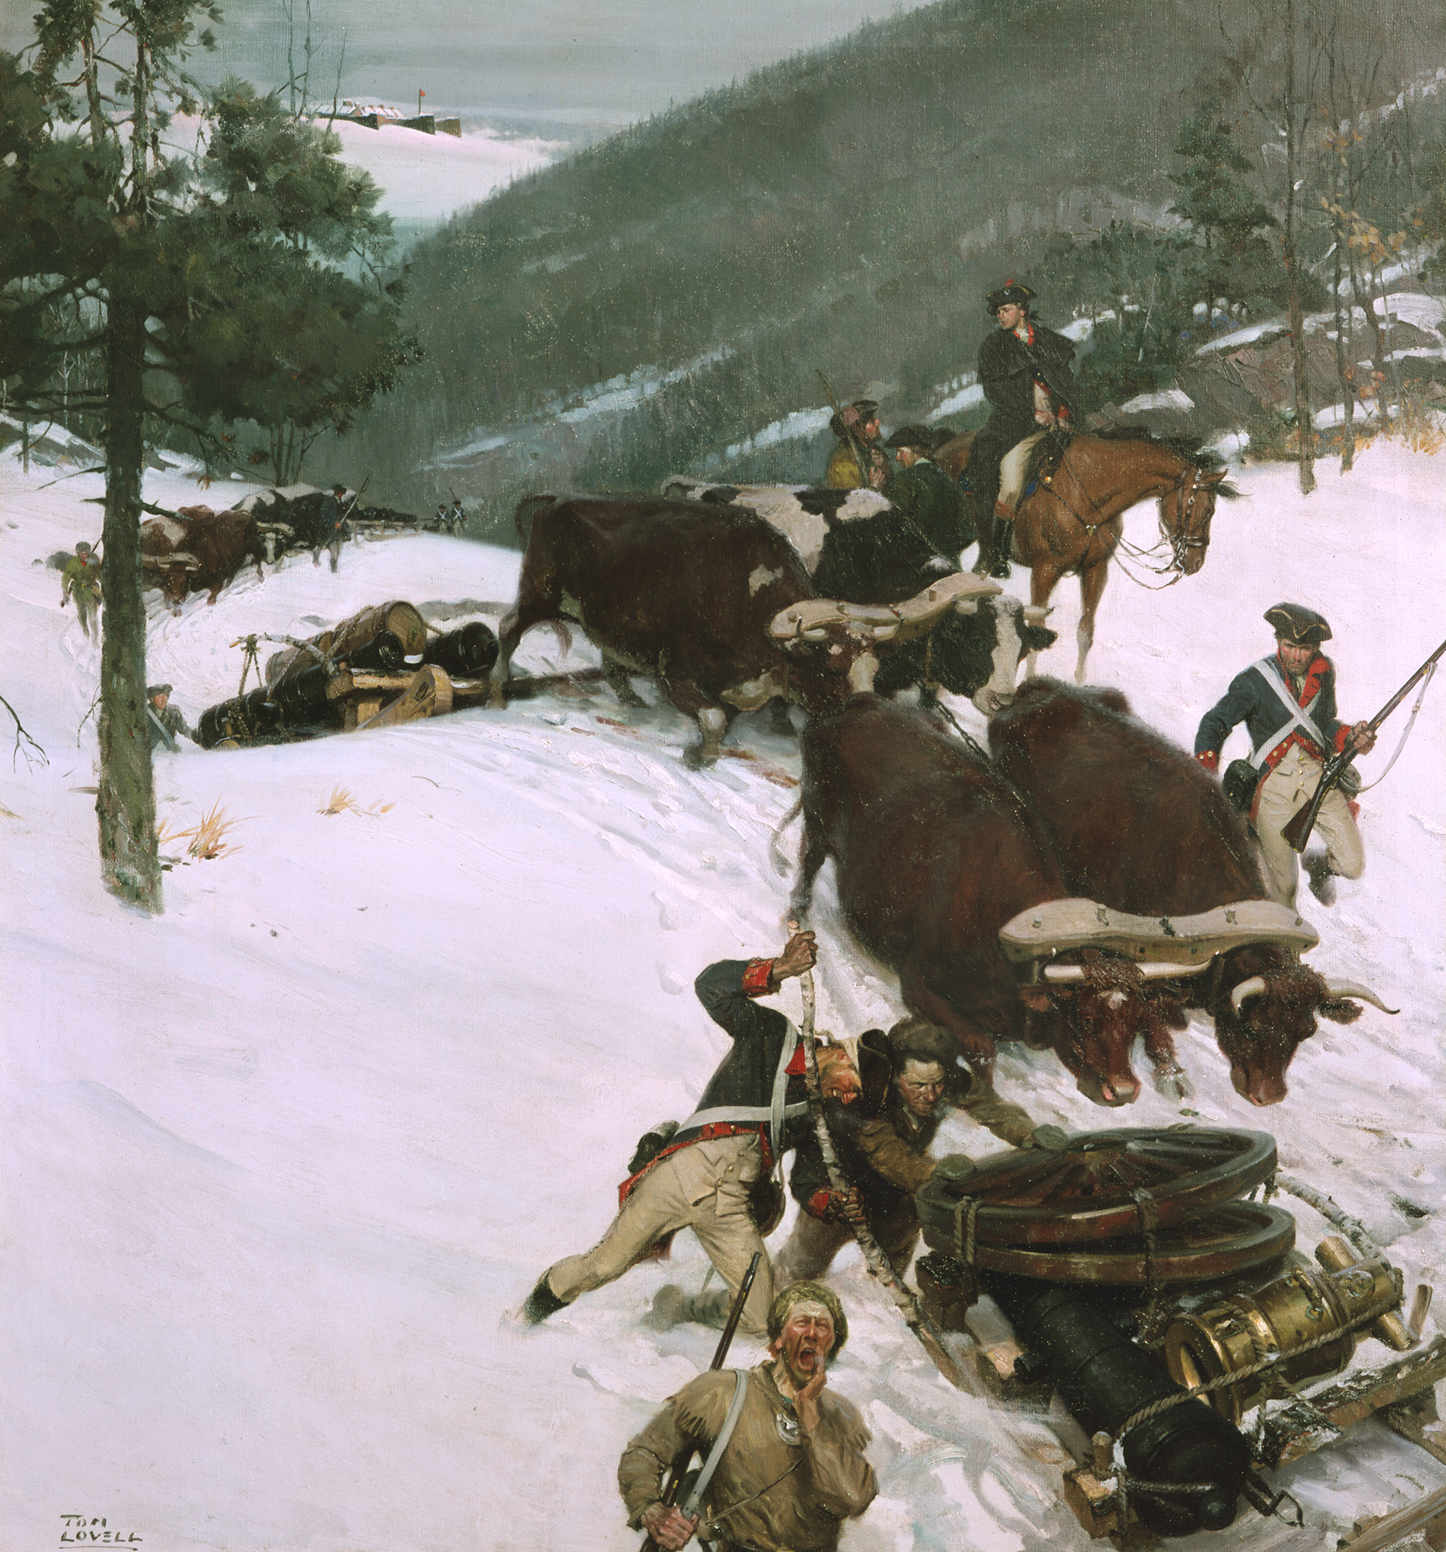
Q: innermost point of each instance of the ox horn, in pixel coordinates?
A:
(1253, 987)
(1361, 993)
(1154, 971)
(1037, 614)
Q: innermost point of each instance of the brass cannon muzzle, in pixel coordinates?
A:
(1303, 1306)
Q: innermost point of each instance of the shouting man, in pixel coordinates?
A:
(858, 459)
(1288, 704)
(791, 1470)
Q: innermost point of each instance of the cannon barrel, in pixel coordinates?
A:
(465, 653)
(1104, 1378)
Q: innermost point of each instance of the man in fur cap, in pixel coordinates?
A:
(792, 1469)
(858, 459)
(1024, 369)
(1288, 704)
(910, 1077)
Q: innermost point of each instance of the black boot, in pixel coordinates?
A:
(1000, 546)
(1322, 880)
(541, 1303)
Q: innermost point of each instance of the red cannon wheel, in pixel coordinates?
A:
(1085, 1192)
(1227, 1240)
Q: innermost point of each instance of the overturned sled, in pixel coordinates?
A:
(381, 667)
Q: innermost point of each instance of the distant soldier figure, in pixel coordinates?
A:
(1288, 704)
(857, 430)
(1025, 373)
(81, 581)
(926, 495)
(332, 528)
(457, 516)
(910, 1081)
(444, 519)
(164, 722)
(791, 1470)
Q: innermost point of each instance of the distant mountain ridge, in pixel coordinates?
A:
(842, 212)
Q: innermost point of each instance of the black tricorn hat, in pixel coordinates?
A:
(153, 690)
(853, 418)
(920, 437)
(1300, 626)
(1010, 291)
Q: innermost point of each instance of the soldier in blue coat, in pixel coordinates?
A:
(706, 1173)
(1288, 704)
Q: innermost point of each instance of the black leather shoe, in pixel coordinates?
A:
(541, 1303)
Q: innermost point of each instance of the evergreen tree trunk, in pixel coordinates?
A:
(1343, 374)
(1294, 125)
(126, 802)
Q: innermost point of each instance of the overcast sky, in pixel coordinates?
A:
(564, 66)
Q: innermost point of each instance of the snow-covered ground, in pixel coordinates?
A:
(281, 1165)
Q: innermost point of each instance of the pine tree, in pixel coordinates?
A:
(201, 292)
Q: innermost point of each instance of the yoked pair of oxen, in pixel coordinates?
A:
(1088, 886)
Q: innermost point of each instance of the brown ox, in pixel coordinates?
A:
(709, 600)
(933, 855)
(1138, 825)
(204, 552)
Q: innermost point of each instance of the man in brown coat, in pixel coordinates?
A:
(791, 1471)
(910, 1079)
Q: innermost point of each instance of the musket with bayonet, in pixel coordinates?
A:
(680, 1465)
(1297, 832)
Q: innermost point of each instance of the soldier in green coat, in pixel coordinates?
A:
(928, 496)
(81, 581)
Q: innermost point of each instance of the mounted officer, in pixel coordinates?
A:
(858, 459)
(1025, 373)
(1288, 705)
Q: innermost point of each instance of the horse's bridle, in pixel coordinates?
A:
(1182, 540)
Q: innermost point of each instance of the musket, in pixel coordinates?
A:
(1297, 832)
(680, 1465)
(931, 1338)
(352, 503)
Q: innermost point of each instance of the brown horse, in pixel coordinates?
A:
(1075, 518)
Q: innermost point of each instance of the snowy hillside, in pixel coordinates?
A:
(281, 1165)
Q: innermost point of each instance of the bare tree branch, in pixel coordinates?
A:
(20, 733)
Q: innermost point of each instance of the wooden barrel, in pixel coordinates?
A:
(401, 619)
(344, 642)
(291, 660)
(465, 653)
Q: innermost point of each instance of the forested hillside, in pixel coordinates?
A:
(652, 304)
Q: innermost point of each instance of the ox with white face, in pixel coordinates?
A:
(977, 653)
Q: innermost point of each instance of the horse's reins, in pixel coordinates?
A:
(1179, 542)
